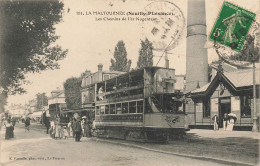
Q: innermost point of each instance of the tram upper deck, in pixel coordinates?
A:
(141, 98)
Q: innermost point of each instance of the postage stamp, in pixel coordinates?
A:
(232, 26)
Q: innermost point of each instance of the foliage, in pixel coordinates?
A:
(27, 37)
(86, 72)
(41, 101)
(72, 88)
(120, 63)
(145, 54)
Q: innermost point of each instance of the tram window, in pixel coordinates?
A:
(106, 109)
(140, 105)
(102, 109)
(125, 108)
(97, 110)
(118, 109)
(112, 108)
(132, 107)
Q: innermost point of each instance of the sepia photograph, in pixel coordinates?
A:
(129, 82)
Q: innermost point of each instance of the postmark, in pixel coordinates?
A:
(167, 29)
(232, 26)
(234, 58)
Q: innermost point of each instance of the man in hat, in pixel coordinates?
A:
(78, 129)
(225, 119)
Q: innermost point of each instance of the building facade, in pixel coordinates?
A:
(230, 91)
(89, 88)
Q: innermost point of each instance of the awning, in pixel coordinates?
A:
(36, 114)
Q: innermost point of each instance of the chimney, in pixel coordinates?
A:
(196, 54)
(100, 66)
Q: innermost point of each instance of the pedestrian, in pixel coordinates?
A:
(8, 129)
(57, 128)
(27, 124)
(83, 126)
(215, 119)
(230, 124)
(73, 129)
(47, 125)
(65, 132)
(77, 129)
(88, 128)
(70, 132)
(225, 119)
(52, 129)
(13, 121)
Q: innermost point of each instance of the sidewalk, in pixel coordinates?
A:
(203, 133)
(225, 147)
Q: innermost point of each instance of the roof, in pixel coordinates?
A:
(243, 77)
(237, 79)
(56, 94)
(113, 72)
(202, 89)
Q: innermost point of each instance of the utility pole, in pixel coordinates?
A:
(254, 129)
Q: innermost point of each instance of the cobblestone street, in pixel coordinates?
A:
(37, 148)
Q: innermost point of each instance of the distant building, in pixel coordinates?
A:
(89, 88)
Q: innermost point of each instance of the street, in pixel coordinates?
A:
(37, 148)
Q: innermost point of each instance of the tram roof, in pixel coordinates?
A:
(137, 70)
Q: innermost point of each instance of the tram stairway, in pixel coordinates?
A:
(157, 106)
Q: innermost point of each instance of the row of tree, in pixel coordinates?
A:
(121, 63)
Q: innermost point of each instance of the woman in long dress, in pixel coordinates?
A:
(70, 132)
(230, 124)
(8, 131)
(83, 126)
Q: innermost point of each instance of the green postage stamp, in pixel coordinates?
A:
(232, 26)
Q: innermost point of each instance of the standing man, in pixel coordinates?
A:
(225, 119)
(78, 129)
(27, 124)
(47, 125)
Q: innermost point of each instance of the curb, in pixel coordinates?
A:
(221, 161)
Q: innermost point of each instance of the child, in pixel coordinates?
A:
(65, 132)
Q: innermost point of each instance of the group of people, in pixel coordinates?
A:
(76, 128)
(228, 122)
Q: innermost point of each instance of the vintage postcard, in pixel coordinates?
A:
(129, 82)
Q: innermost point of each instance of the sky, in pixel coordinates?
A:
(91, 42)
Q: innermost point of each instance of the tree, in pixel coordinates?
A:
(120, 63)
(27, 41)
(145, 54)
(72, 88)
(41, 101)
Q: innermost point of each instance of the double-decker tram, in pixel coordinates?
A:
(141, 105)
